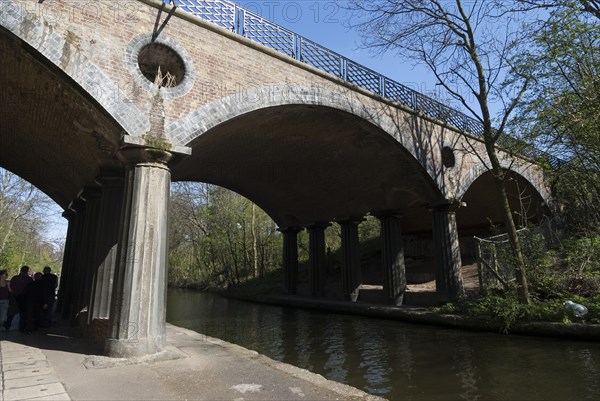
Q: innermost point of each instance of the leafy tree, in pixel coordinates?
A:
(219, 238)
(23, 217)
(468, 47)
(560, 109)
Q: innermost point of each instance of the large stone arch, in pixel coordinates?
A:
(524, 168)
(66, 118)
(64, 53)
(482, 208)
(290, 118)
(197, 122)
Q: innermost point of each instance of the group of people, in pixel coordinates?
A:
(32, 297)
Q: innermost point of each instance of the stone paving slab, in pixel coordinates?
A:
(23, 359)
(37, 391)
(27, 375)
(30, 381)
(54, 397)
(17, 352)
(25, 365)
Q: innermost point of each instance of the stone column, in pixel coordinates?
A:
(66, 264)
(70, 287)
(290, 258)
(88, 245)
(137, 323)
(392, 254)
(317, 259)
(106, 251)
(351, 274)
(448, 275)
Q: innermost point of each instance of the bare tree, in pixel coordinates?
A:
(468, 46)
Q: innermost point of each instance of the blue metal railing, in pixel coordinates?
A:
(236, 19)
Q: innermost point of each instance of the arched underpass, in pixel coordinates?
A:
(52, 134)
(306, 164)
(85, 126)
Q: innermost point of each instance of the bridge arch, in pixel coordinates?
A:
(322, 154)
(65, 54)
(53, 133)
(526, 201)
(528, 171)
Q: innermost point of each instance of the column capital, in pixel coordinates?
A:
(382, 214)
(110, 180)
(318, 225)
(131, 156)
(68, 214)
(290, 230)
(110, 170)
(77, 205)
(450, 205)
(154, 149)
(90, 191)
(349, 220)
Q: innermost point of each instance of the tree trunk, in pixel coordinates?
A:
(254, 243)
(499, 179)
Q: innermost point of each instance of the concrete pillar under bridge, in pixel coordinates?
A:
(137, 322)
(71, 259)
(67, 267)
(290, 258)
(448, 275)
(317, 258)
(88, 248)
(392, 255)
(105, 259)
(351, 274)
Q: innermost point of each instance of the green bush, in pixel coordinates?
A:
(583, 255)
(503, 307)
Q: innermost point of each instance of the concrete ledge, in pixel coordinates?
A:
(421, 315)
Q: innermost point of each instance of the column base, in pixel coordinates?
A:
(397, 301)
(117, 348)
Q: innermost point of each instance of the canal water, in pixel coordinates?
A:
(396, 360)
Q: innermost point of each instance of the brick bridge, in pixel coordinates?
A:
(306, 134)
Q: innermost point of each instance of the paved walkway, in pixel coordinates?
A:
(27, 375)
(58, 365)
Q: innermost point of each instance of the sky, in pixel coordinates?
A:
(325, 22)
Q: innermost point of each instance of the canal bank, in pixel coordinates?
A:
(57, 364)
(426, 315)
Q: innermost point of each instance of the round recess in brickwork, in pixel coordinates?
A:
(160, 63)
(448, 159)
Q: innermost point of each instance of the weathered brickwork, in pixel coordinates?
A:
(95, 43)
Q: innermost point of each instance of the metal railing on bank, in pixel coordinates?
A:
(243, 22)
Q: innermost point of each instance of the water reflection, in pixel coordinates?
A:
(335, 351)
(397, 360)
(466, 371)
